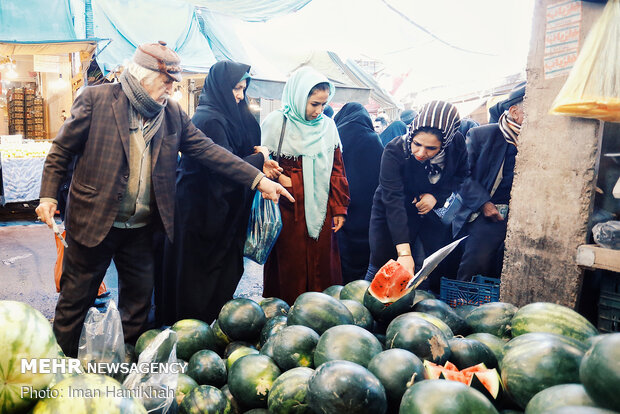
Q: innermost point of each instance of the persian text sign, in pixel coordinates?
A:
(563, 24)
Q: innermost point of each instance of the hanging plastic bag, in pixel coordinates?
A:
(157, 374)
(263, 229)
(102, 345)
(592, 89)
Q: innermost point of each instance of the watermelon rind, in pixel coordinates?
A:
(25, 334)
(553, 318)
(203, 399)
(559, 396)
(534, 366)
(348, 343)
(600, 372)
(440, 396)
(289, 393)
(319, 312)
(339, 387)
(87, 394)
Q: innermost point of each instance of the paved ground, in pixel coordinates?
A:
(28, 255)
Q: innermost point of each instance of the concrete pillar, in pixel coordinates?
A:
(554, 184)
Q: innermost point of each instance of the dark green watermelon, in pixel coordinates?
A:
(419, 336)
(441, 396)
(294, 347)
(422, 294)
(444, 312)
(576, 409)
(534, 366)
(239, 353)
(232, 405)
(361, 315)
(552, 318)
(435, 321)
(207, 368)
(233, 346)
(469, 352)
(289, 393)
(537, 337)
(221, 339)
(333, 291)
(242, 319)
(558, 396)
(355, 290)
(397, 369)
(268, 348)
(251, 378)
(493, 318)
(343, 387)
(464, 310)
(494, 343)
(185, 384)
(272, 326)
(192, 336)
(145, 339)
(347, 342)
(318, 311)
(274, 307)
(600, 372)
(203, 399)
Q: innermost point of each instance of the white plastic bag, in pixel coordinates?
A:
(102, 345)
(155, 380)
(592, 89)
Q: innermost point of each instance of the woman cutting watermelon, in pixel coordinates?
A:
(419, 172)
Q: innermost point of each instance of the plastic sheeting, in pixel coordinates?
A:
(21, 178)
(252, 10)
(36, 20)
(130, 24)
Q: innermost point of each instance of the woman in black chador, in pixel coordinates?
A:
(204, 264)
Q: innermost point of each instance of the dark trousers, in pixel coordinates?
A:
(84, 269)
(484, 249)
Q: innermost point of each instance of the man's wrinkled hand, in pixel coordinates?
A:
(272, 190)
(490, 211)
(272, 169)
(45, 212)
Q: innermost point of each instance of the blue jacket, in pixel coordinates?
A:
(486, 148)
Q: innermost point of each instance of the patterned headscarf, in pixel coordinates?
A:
(440, 115)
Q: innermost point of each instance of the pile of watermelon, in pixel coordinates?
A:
(360, 348)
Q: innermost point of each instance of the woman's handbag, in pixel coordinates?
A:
(265, 222)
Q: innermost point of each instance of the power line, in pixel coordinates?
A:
(425, 30)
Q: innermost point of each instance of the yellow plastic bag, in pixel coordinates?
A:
(592, 89)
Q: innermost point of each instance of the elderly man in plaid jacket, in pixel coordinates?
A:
(127, 136)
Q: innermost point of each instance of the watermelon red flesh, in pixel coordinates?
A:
(390, 282)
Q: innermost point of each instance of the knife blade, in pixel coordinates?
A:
(59, 235)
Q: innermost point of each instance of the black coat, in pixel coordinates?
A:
(395, 219)
(205, 263)
(361, 152)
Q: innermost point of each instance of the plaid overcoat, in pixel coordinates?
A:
(98, 131)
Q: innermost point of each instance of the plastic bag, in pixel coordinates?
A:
(263, 229)
(155, 380)
(607, 234)
(592, 89)
(101, 342)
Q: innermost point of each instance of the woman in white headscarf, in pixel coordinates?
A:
(305, 257)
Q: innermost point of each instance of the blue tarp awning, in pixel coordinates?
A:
(36, 20)
(130, 24)
(252, 10)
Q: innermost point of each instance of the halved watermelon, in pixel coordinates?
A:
(388, 296)
(390, 282)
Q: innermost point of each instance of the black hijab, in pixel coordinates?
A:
(218, 103)
(361, 153)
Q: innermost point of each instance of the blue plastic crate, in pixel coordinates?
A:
(480, 290)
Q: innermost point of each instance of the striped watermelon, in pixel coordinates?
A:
(552, 318)
(88, 394)
(26, 334)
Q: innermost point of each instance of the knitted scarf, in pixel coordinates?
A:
(142, 103)
(509, 128)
